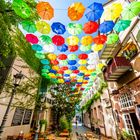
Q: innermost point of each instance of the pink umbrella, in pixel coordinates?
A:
(31, 38)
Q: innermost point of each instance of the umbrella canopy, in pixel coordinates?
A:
(29, 26)
(112, 38)
(90, 27)
(55, 68)
(43, 27)
(82, 68)
(73, 48)
(58, 40)
(74, 28)
(94, 11)
(75, 71)
(85, 48)
(48, 48)
(83, 56)
(82, 62)
(106, 26)
(63, 48)
(64, 68)
(63, 62)
(36, 47)
(45, 61)
(131, 10)
(52, 56)
(58, 28)
(54, 62)
(91, 67)
(32, 38)
(121, 25)
(113, 11)
(39, 55)
(21, 9)
(100, 39)
(86, 40)
(73, 68)
(72, 62)
(72, 40)
(76, 11)
(68, 71)
(45, 10)
(45, 39)
(46, 67)
(97, 48)
(62, 56)
(72, 56)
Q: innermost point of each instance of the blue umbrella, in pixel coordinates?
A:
(45, 61)
(67, 80)
(63, 48)
(66, 75)
(58, 28)
(94, 11)
(86, 78)
(46, 67)
(53, 71)
(79, 83)
(80, 74)
(106, 26)
(73, 68)
(36, 47)
(72, 62)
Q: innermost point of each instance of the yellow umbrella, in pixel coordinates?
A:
(113, 11)
(55, 68)
(81, 68)
(100, 65)
(68, 72)
(52, 75)
(80, 80)
(52, 56)
(86, 40)
(60, 81)
(43, 27)
(72, 40)
(82, 62)
(97, 48)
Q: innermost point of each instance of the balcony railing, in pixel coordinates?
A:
(117, 67)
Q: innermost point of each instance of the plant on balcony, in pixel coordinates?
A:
(63, 123)
(43, 125)
(125, 135)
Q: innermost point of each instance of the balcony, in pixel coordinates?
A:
(116, 68)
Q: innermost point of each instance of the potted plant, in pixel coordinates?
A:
(126, 135)
(43, 124)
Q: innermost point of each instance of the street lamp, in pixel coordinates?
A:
(16, 81)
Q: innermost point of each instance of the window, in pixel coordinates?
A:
(126, 100)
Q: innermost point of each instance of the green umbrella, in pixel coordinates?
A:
(21, 9)
(46, 39)
(72, 56)
(74, 28)
(121, 25)
(85, 48)
(131, 10)
(29, 26)
(40, 55)
(63, 62)
(112, 38)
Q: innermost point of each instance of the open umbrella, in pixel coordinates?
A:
(45, 10)
(29, 26)
(36, 47)
(73, 68)
(121, 25)
(86, 40)
(64, 68)
(81, 68)
(45, 61)
(52, 56)
(54, 62)
(83, 56)
(106, 26)
(43, 27)
(100, 39)
(62, 56)
(45, 39)
(72, 40)
(90, 27)
(75, 71)
(72, 56)
(72, 62)
(82, 62)
(94, 11)
(68, 71)
(76, 11)
(74, 28)
(58, 28)
(39, 55)
(63, 62)
(32, 38)
(85, 48)
(55, 68)
(46, 67)
(58, 40)
(63, 48)
(113, 11)
(48, 48)
(21, 8)
(112, 39)
(73, 48)
(131, 10)
(97, 47)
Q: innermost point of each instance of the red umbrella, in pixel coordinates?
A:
(31, 38)
(78, 85)
(83, 56)
(62, 57)
(90, 27)
(58, 40)
(100, 39)
(76, 71)
(85, 82)
(82, 89)
(64, 68)
(54, 62)
(73, 48)
(60, 71)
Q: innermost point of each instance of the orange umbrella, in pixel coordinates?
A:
(45, 10)
(76, 11)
